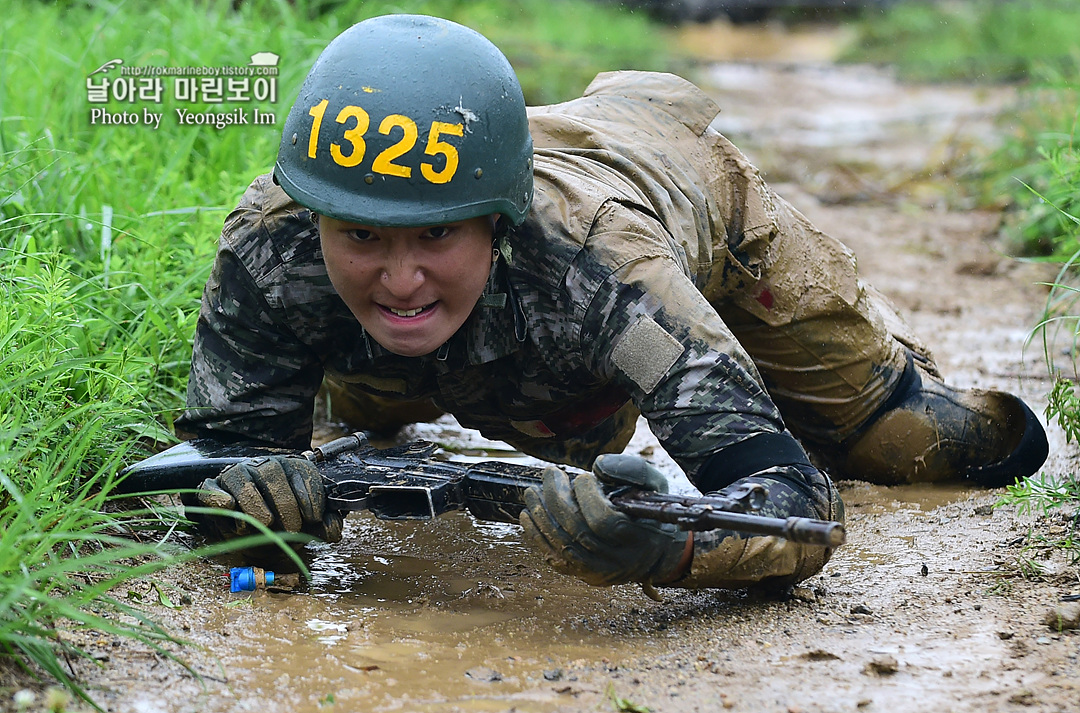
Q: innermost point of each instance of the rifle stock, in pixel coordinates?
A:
(407, 483)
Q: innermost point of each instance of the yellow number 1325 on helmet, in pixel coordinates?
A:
(408, 120)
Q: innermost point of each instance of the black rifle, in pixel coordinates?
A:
(407, 483)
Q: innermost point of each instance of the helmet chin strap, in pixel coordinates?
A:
(500, 230)
(497, 234)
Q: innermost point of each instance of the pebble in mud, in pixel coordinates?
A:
(882, 666)
(1063, 616)
(484, 675)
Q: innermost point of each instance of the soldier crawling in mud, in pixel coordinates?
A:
(426, 244)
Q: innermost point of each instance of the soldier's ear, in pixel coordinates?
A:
(500, 226)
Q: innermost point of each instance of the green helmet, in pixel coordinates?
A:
(408, 120)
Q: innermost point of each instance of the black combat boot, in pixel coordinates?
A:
(928, 431)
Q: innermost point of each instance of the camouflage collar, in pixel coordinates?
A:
(497, 325)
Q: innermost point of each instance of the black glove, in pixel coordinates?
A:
(285, 493)
(580, 533)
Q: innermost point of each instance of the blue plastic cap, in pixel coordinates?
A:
(242, 579)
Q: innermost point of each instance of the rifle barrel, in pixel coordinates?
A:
(707, 517)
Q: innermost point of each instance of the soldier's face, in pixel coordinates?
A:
(411, 288)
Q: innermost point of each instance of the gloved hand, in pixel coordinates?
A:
(580, 533)
(285, 493)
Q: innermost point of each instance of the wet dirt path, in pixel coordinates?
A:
(913, 615)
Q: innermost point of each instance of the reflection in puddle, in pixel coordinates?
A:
(911, 526)
(336, 631)
(453, 614)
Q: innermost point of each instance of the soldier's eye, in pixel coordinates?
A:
(438, 231)
(360, 235)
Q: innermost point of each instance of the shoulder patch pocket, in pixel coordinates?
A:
(646, 352)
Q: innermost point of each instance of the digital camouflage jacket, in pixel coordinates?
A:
(598, 304)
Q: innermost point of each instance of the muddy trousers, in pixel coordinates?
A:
(829, 349)
(850, 378)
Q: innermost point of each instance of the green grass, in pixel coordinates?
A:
(1040, 494)
(1029, 42)
(69, 415)
(107, 234)
(971, 40)
(1055, 530)
(1045, 221)
(1037, 172)
(1056, 497)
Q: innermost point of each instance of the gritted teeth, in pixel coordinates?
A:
(407, 312)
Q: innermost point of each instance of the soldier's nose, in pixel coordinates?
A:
(402, 278)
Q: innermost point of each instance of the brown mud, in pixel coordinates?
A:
(921, 611)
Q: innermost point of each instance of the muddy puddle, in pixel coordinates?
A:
(451, 614)
(457, 614)
(416, 617)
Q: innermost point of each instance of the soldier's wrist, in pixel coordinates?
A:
(683, 565)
